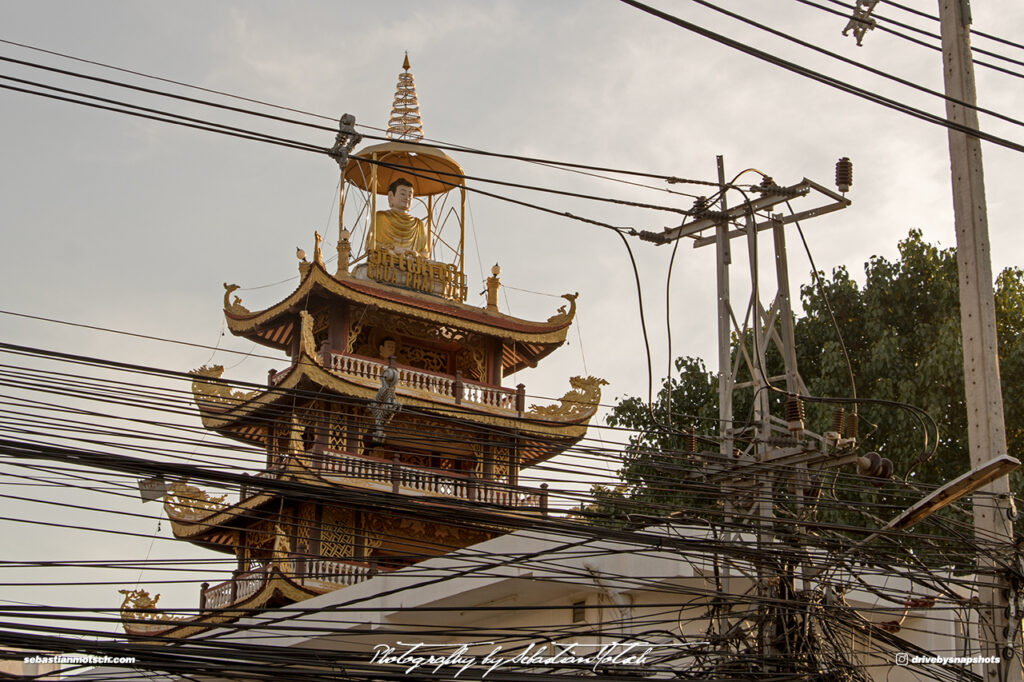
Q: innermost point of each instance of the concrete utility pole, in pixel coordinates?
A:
(999, 622)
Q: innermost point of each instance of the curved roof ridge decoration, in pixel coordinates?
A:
(241, 320)
(575, 408)
(140, 616)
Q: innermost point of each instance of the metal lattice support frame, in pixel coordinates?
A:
(773, 445)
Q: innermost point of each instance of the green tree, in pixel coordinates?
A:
(902, 331)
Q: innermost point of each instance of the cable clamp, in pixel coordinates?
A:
(861, 21)
(345, 141)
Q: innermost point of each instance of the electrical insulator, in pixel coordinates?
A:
(874, 465)
(870, 464)
(700, 207)
(885, 471)
(690, 441)
(838, 420)
(795, 413)
(844, 174)
(851, 426)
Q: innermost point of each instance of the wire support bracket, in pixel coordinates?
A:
(861, 21)
(345, 141)
(770, 196)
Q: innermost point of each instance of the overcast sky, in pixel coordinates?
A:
(134, 225)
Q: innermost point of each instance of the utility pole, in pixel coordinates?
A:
(764, 455)
(999, 622)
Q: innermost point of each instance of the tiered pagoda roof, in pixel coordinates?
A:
(393, 387)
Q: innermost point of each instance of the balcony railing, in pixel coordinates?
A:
(240, 587)
(338, 572)
(308, 570)
(422, 481)
(448, 386)
(275, 377)
(415, 480)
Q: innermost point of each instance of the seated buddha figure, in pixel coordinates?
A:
(395, 229)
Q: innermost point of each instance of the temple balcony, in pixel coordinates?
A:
(405, 479)
(447, 387)
(314, 573)
(301, 576)
(422, 481)
(190, 505)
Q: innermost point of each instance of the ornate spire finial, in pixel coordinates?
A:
(405, 121)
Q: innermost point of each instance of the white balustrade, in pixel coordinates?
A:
(425, 381)
(339, 572)
(360, 367)
(219, 597)
(356, 467)
(247, 584)
(484, 395)
(428, 481)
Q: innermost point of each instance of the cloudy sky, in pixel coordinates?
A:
(134, 225)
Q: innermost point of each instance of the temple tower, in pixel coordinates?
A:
(392, 386)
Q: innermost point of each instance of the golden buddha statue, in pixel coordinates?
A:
(395, 229)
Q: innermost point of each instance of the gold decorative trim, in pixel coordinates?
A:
(314, 276)
(215, 393)
(563, 316)
(471, 360)
(353, 333)
(409, 531)
(571, 429)
(367, 388)
(318, 254)
(234, 307)
(580, 402)
(282, 550)
(416, 272)
(186, 529)
(344, 253)
(140, 608)
(183, 627)
(189, 502)
(307, 337)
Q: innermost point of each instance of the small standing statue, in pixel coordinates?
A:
(318, 254)
(385, 406)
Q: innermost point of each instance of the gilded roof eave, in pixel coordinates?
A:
(276, 583)
(308, 369)
(193, 529)
(242, 322)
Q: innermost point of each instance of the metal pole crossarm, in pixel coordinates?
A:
(840, 202)
(771, 196)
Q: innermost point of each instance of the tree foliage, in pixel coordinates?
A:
(902, 331)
